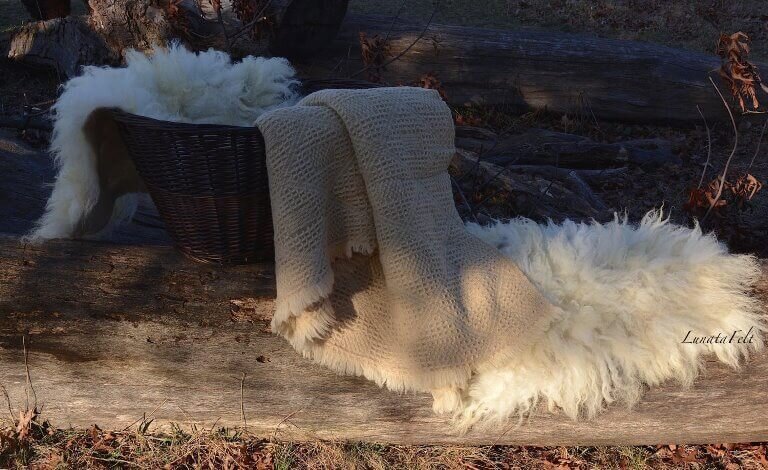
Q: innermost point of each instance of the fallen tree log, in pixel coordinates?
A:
(120, 333)
(26, 121)
(63, 44)
(564, 73)
(540, 192)
(545, 147)
(117, 333)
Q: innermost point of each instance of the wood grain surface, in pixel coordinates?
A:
(115, 332)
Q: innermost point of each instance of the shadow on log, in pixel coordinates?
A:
(564, 73)
(115, 332)
(545, 147)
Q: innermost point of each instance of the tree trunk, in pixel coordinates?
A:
(102, 37)
(64, 44)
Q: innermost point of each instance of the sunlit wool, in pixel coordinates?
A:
(170, 84)
(630, 294)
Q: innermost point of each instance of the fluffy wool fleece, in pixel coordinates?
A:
(171, 84)
(630, 294)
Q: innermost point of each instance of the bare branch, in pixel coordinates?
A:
(464, 199)
(709, 146)
(730, 157)
(759, 141)
(405, 51)
(252, 23)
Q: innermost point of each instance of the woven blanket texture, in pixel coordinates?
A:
(377, 275)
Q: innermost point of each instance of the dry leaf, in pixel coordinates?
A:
(24, 425)
(431, 82)
(740, 75)
(374, 51)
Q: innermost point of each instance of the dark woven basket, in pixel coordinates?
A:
(209, 182)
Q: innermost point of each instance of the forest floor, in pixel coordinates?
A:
(688, 24)
(222, 448)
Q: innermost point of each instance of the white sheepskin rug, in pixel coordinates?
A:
(642, 305)
(171, 84)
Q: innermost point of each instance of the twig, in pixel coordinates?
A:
(405, 51)
(274, 434)
(8, 401)
(568, 177)
(242, 402)
(759, 141)
(709, 145)
(557, 166)
(251, 23)
(220, 19)
(488, 183)
(213, 426)
(481, 152)
(394, 20)
(29, 379)
(114, 460)
(145, 416)
(733, 152)
(464, 199)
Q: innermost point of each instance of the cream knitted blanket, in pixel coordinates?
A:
(424, 303)
(378, 276)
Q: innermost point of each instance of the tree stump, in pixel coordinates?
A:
(64, 44)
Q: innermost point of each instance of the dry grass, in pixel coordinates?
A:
(222, 448)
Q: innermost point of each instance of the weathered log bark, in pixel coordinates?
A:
(540, 193)
(39, 122)
(140, 24)
(64, 44)
(114, 332)
(545, 147)
(565, 73)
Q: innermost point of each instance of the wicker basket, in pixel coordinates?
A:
(209, 182)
